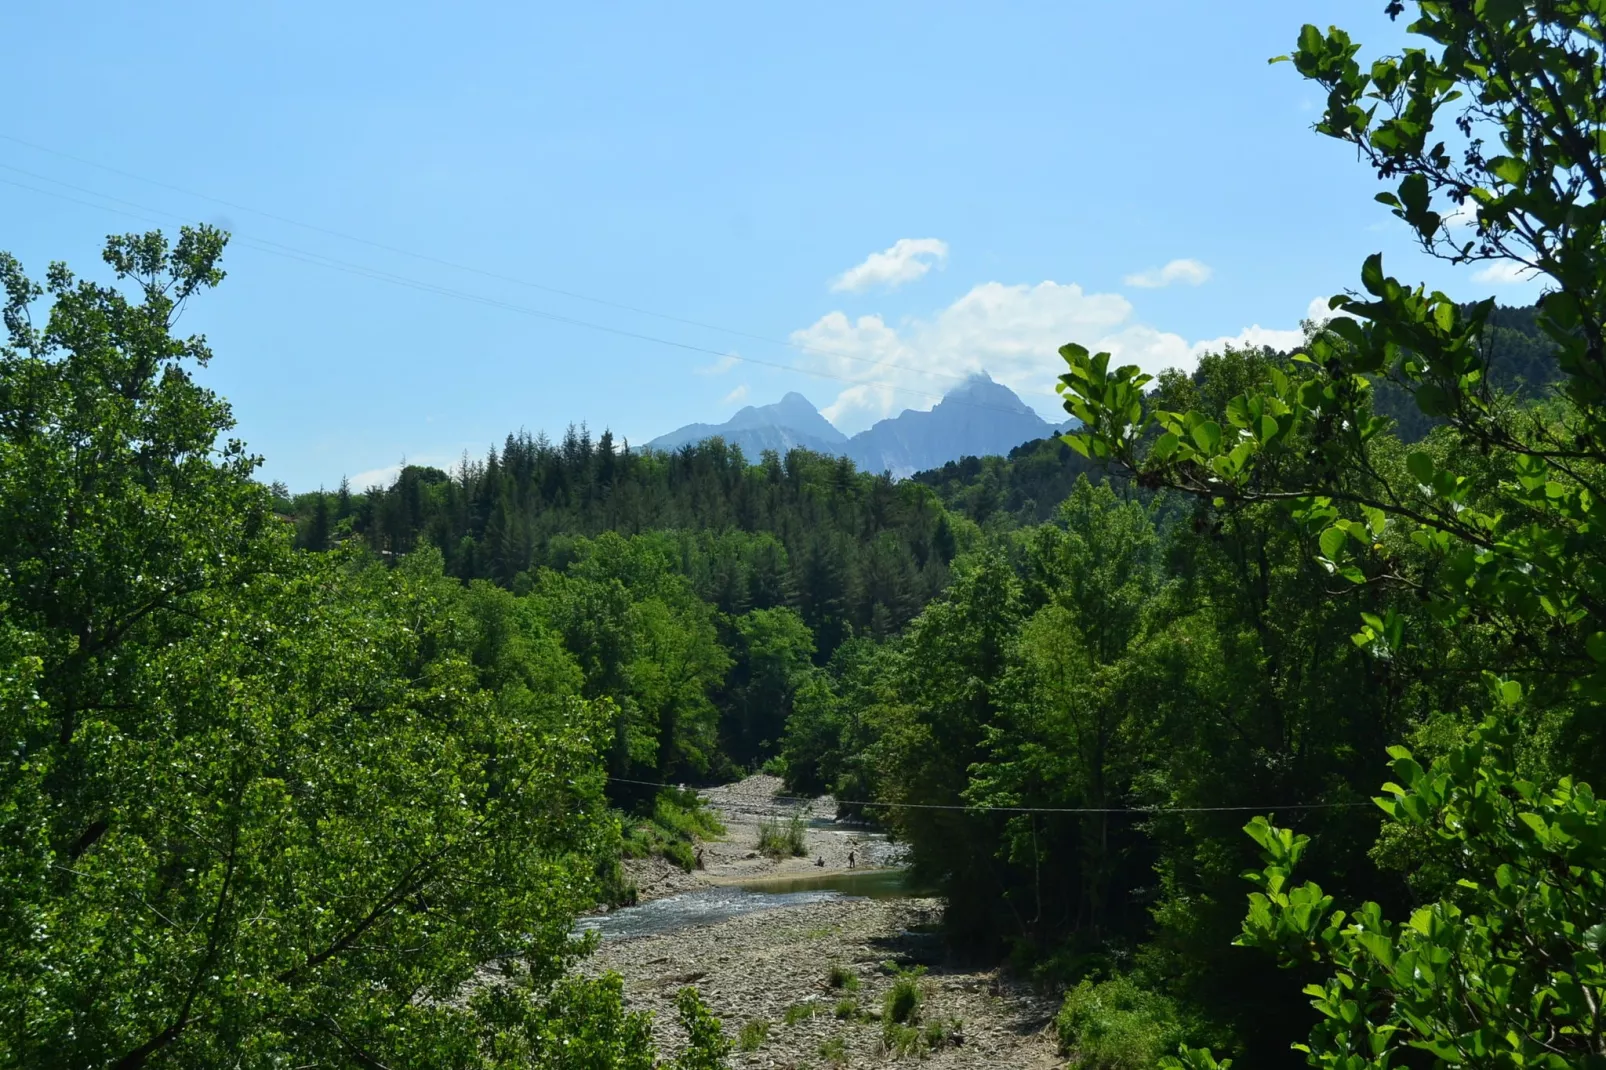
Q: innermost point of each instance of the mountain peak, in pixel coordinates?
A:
(979, 416)
(792, 421)
(979, 388)
(793, 402)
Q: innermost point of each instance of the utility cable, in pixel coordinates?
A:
(455, 265)
(144, 212)
(1033, 809)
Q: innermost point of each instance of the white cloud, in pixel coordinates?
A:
(384, 477)
(1012, 331)
(1191, 272)
(374, 477)
(1254, 336)
(1505, 273)
(720, 366)
(906, 261)
(1462, 215)
(1318, 312)
(739, 394)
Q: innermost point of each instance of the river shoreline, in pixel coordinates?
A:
(754, 967)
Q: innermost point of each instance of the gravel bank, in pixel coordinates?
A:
(742, 806)
(755, 967)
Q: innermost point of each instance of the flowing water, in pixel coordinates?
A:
(706, 905)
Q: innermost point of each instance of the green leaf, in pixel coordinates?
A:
(1332, 542)
(1420, 465)
(1372, 274)
(1208, 436)
(1164, 446)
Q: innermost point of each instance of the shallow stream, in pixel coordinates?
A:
(707, 905)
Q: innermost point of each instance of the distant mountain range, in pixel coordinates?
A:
(977, 418)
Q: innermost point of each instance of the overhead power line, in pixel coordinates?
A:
(273, 248)
(499, 276)
(975, 808)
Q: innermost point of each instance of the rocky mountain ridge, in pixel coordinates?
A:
(979, 417)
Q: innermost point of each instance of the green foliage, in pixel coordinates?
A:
(645, 641)
(1490, 520)
(582, 1025)
(899, 1039)
(774, 649)
(799, 1012)
(260, 807)
(842, 977)
(847, 1009)
(849, 551)
(939, 1034)
(707, 1047)
(902, 1002)
(679, 820)
(1506, 970)
(1118, 1025)
(834, 1050)
(781, 839)
(1020, 490)
(753, 1034)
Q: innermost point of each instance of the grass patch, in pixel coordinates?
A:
(800, 1012)
(901, 1005)
(847, 1009)
(677, 821)
(899, 1039)
(1118, 1025)
(753, 1035)
(779, 839)
(842, 977)
(937, 1034)
(835, 1051)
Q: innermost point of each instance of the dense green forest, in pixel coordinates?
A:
(285, 771)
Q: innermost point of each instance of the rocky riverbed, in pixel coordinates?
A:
(774, 966)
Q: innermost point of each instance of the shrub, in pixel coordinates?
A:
(847, 1009)
(798, 1012)
(901, 1005)
(842, 977)
(753, 1035)
(778, 840)
(899, 1039)
(1117, 1025)
(685, 812)
(706, 1043)
(679, 819)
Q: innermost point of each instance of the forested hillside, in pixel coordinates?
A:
(326, 778)
(1037, 630)
(850, 551)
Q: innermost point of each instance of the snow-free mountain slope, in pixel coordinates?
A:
(979, 417)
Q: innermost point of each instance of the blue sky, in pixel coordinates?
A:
(884, 195)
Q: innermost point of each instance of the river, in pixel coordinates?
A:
(760, 938)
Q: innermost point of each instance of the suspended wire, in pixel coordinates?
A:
(977, 808)
(273, 248)
(429, 258)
